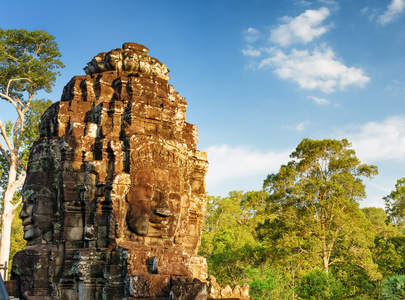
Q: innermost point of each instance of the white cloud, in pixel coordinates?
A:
(395, 8)
(321, 101)
(379, 141)
(250, 51)
(301, 29)
(235, 168)
(329, 2)
(303, 2)
(251, 35)
(301, 126)
(227, 163)
(370, 12)
(365, 10)
(317, 70)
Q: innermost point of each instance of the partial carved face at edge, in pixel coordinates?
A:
(37, 214)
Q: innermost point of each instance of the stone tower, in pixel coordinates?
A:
(114, 197)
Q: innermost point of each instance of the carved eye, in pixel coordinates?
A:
(32, 198)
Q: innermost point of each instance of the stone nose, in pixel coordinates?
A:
(163, 208)
(23, 214)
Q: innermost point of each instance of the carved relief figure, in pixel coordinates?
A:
(37, 215)
(153, 203)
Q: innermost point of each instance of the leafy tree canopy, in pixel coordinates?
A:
(316, 199)
(28, 61)
(395, 202)
(30, 134)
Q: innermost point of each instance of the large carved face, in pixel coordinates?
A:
(37, 212)
(154, 202)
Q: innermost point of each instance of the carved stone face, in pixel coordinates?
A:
(114, 60)
(131, 61)
(154, 203)
(37, 213)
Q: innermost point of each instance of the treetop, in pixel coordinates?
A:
(28, 61)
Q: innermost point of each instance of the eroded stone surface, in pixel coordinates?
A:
(115, 196)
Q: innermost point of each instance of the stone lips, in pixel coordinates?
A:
(114, 182)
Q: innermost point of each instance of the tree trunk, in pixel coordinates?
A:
(6, 220)
(7, 217)
(325, 257)
(325, 261)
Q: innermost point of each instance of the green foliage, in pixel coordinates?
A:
(28, 63)
(268, 283)
(315, 196)
(393, 288)
(17, 242)
(228, 239)
(304, 236)
(33, 55)
(316, 284)
(30, 134)
(395, 203)
(389, 243)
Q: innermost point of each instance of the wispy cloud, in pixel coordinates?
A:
(321, 101)
(331, 3)
(251, 35)
(378, 141)
(250, 51)
(395, 9)
(319, 69)
(302, 2)
(373, 142)
(371, 12)
(301, 126)
(315, 68)
(301, 29)
(229, 163)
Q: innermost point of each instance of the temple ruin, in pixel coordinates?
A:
(114, 197)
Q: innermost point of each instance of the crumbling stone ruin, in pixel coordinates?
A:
(114, 197)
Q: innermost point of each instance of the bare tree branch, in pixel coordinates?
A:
(5, 137)
(14, 185)
(15, 79)
(5, 154)
(13, 101)
(19, 135)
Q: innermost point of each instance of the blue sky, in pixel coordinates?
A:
(258, 75)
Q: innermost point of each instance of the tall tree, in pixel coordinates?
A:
(228, 239)
(395, 203)
(316, 199)
(28, 63)
(389, 243)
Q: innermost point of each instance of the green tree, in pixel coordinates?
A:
(395, 203)
(389, 243)
(394, 288)
(315, 196)
(229, 237)
(17, 242)
(28, 63)
(267, 282)
(317, 284)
